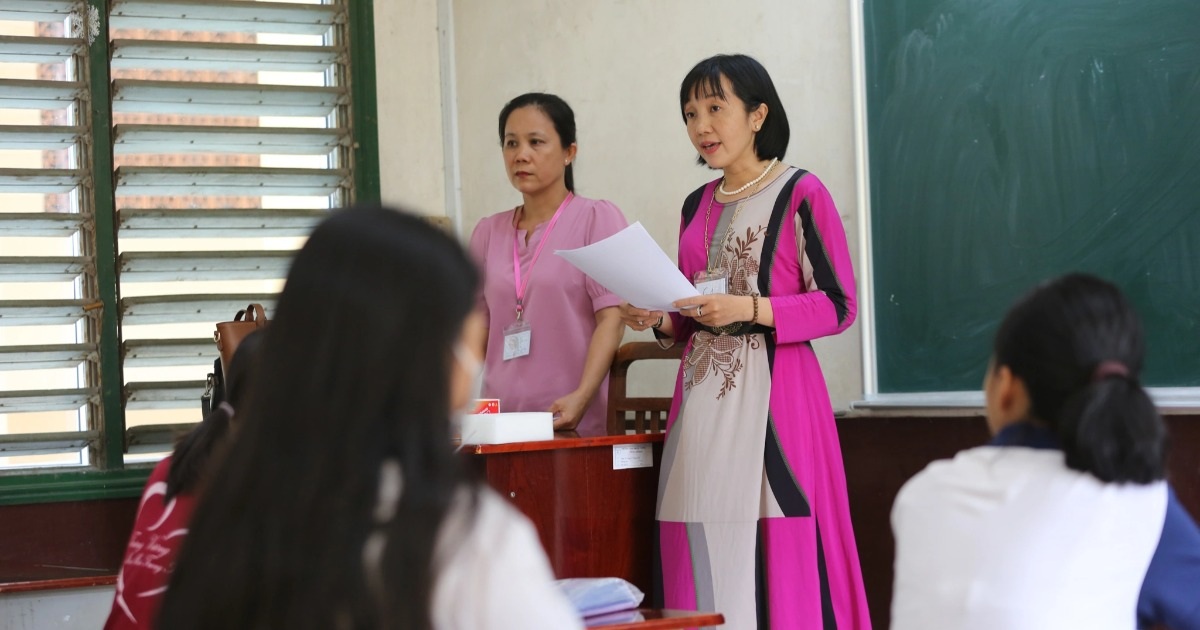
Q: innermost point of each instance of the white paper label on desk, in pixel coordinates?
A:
(632, 456)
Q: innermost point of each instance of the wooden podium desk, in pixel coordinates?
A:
(593, 520)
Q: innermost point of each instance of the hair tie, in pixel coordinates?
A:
(1109, 368)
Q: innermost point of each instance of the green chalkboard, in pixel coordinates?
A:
(1015, 140)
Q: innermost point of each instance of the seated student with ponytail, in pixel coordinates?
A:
(1064, 520)
(168, 500)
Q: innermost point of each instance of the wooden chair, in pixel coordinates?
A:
(637, 414)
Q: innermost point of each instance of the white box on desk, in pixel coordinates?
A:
(504, 428)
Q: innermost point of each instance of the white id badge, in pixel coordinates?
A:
(516, 340)
(711, 282)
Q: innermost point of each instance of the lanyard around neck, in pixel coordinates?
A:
(522, 286)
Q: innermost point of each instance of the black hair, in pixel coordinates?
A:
(559, 113)
(751, 84)
(355, 373)
(1055, 340)
(199, 447)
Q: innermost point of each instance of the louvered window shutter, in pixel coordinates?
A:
(49, 384)
(230, 141)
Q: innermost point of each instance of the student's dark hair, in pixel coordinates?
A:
(751, 84)
(1078, 346)
(199, 447)
(355, 372)
(559, 113)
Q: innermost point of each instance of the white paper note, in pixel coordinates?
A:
(632, 456)
(630, 264)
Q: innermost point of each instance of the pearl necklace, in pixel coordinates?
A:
(727, 193)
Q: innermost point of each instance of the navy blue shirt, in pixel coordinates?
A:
(1171, 589)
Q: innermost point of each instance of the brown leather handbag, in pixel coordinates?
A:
(230, 334)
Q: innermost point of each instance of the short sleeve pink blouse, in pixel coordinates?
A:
(560, 307)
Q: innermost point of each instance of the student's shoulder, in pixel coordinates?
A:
(977, 467)
(499, 516)
(490, 557)
(963, 461)
(161, 469)
(156, 483)
(478, 517)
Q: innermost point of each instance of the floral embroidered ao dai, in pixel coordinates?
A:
(752, 505)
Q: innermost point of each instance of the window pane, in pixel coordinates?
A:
(213, 205)
(47, 348)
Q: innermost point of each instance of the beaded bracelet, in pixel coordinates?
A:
(754, 320)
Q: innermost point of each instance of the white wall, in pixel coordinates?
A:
(69, 609)
(408, 82)
(618, 63)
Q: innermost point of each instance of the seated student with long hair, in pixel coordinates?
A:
(342, 504)
(168, 500)
(1065, 519)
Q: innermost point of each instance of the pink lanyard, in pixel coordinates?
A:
(522, 286)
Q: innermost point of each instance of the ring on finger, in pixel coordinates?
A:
(641, 323)
(699, 312)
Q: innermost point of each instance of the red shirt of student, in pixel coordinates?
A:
(158, 533)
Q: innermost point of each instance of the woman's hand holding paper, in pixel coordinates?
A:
(640, 319)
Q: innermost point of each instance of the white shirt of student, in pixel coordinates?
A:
(1009, 538)
(494, 575)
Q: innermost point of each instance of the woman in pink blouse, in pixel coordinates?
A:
(552, 332)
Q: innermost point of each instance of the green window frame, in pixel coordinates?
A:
(110, 476)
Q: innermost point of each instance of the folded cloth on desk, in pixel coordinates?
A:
(600, 596)
(502, 428)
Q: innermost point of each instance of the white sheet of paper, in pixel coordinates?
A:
(630, 264)
(632, 456)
